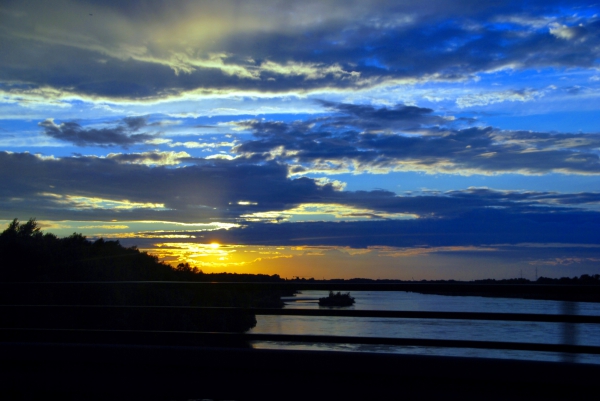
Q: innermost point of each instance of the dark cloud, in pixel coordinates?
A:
(119, 135)
(451, 204)
(77, 187)
(210, 189)
(342, 45)
(524, 201)
(135, 123)
(81, 188)
(403, 138)
(479, 227)
(373, 119)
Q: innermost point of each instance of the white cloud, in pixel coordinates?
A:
(562, 31)
(156, 158)
(484, 99)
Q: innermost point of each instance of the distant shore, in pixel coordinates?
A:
(577, 289)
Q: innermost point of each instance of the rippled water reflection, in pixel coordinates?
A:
(535, 332)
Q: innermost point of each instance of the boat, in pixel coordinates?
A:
(337, 299)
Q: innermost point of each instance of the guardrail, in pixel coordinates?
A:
(23, 327)
(93, 355)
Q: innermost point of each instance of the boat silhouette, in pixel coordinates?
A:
(337, 299)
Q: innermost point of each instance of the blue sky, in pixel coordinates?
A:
(330, 139)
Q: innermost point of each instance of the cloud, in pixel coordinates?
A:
(135, 123)
(93, 188)
(149, 158)
(235, 192)
(210, 189)
(123, 134)
(107, 227)
(459, 202)
(484, 99)
(361, 139)
(384, 118)
(423, 251)
(481, 227)
(201, 145)
(32, 96)
(563, 261)
(344, 210)
(166, 50)
(568, 32)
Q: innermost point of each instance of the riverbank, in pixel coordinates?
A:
(577, 289)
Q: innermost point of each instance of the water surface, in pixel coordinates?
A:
(535, 332)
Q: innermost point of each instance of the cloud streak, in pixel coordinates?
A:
(123, 134)
(482, 227)
(408, 138)
(92, 188)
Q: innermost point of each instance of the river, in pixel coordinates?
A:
(535, 332)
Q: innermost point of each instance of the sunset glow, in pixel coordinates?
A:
(327, 139)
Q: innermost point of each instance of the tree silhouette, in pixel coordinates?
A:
(28, 255)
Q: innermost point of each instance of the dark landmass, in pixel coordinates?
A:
(109, 274)
(585, 288)
(337, 299)
(584, 279)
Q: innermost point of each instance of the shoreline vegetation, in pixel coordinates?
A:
(544, 288)
(30, 256)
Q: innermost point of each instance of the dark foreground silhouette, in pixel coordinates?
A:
(337, 299)
(112, 276)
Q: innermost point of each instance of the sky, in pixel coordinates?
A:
(380, 139)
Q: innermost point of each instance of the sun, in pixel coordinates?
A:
(214, 245)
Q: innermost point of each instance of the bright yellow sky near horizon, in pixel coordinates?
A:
(328, 262)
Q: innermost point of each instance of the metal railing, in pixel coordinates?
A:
(25, 312)
(23, 331)
(19, 333)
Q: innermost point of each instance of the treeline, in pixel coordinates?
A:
(187, 272)
(29, 257)
(578, 289)
(28, 254)
(584, 279)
